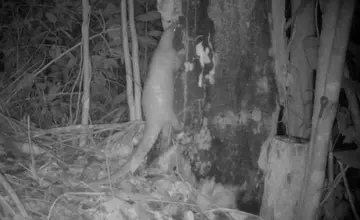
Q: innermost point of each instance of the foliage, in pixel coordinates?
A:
(42, 58)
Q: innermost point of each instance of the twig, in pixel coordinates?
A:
(40, 70)
(332, 186)
(145, 64)
(331, 176)
(13, 195)
(129, 74)
(86, 67)
(351, 201)
(71, 193)
(298, 11)
(108, 164)
(5, 205)
(33, 163)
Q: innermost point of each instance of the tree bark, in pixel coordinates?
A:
(233, 76)
(284, 178)
(297, 115)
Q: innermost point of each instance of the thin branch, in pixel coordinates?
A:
(351, 200)
(86, 67)
(13, 195)
(135, 61)
(129, 74)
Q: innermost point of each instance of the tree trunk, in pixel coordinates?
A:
(233, 76)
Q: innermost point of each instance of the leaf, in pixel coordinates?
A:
(109, 74)
(52, 93)
(353, 85)
(189, 215)
(348, 140)
(41, 86)
(37, 36)
(51, 17)
(27, 81)
(149, 16)
(110, 9)
(19, 217)
(119, 98)
(53, 39)
(155, 33)
(342, 209)
(117, 52)
(341, 117)
(98, 46)
(66, 33)
(58, 51)
(115, 34)
(349, 157)
(110, 63)
(71, 63)
(116, 43)
(113, 20)
(56, 112)
(98, 86)
(147, 41)
(97, 58)
(116, 48)
(349, 134)
(142, 213)
(202, 200)
(55, 51)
